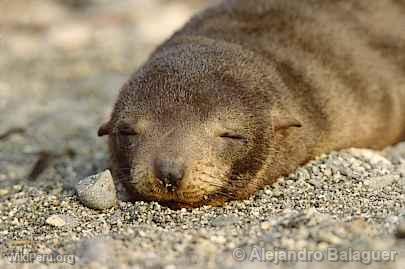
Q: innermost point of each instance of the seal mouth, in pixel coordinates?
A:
(177, 199)
(174, 201)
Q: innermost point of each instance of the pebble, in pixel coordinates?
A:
(372, 156)
(266, 225)
(225, 221)
(378, 183)
(218, 239)
(329, 238)
(97, 191)
(4, 192)
(60, 220)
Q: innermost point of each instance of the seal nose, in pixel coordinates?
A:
(169, 172)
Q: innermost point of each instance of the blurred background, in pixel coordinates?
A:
(62, 63)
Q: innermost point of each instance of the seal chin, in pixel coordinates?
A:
(178, 203)
(179, 199)
(176, 200)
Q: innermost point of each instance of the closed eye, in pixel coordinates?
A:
(233, 136)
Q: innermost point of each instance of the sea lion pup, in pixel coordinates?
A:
(248, 91)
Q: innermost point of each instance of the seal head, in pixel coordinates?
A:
(193, 125)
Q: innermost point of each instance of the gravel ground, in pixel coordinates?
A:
(60, 72)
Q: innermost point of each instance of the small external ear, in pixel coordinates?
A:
(104, 129)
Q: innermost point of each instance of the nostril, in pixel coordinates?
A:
(170, 173)
(173, 178)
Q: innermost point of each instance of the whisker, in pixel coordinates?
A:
(228, 195)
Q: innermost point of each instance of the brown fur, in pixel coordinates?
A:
(293, 79)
